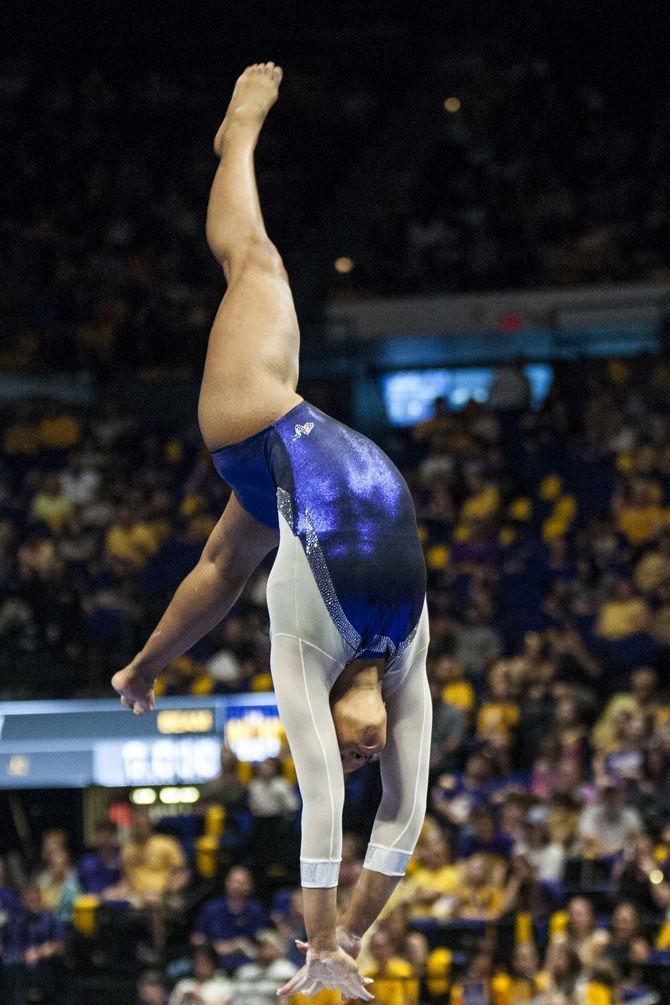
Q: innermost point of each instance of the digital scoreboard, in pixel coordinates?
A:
(73, 744)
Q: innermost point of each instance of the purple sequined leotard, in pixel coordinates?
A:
(353, 513)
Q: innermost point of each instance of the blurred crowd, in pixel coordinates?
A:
(543, 873)
(535, 176)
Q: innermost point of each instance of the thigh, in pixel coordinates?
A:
(251, 368)
(297, 609)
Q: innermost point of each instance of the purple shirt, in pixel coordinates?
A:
(25, 930)
(95, 875)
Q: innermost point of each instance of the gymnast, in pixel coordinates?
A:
(346, 594)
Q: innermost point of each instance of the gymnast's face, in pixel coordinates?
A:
(360, 724)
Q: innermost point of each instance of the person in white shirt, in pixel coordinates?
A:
(257, 983)
(547, 857)
(77, 482)
(210, 987)
(270, 794)
(605, 828)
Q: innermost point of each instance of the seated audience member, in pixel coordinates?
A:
(448, 731)
(579, 932)
(33, 942)
(257, 983)
(152, 989)
(231, 923)
(270, 794)
(455, 796)
(626, 945)
(153, 873)
(499, 712)
(391, 974)
(562, 970)
(476, 984)
(226, 789)
(58, 884)
(430, 890)
(643, 881)
(290, 923)
(547, 857)
(101, 868)
(9, 898)
(606, 827)
(526, 981)
(351, 867)
(625, 614)
(210, 987)
(483, 838)
(479, 897)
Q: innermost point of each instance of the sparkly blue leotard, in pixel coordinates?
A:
(353, 513)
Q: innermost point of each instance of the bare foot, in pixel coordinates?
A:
(136, 691)
(255, 93)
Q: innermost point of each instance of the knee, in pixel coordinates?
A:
(251, 253)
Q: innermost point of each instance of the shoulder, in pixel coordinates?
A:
(399, 968)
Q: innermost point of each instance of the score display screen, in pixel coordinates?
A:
(73, 744)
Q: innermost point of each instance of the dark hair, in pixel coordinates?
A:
(206, 949)
(151, 977)
(106, 825)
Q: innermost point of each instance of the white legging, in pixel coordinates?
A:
(308, 655)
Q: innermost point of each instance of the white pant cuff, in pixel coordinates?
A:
(318, 873)
(389, 861)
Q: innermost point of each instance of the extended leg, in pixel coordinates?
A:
(251, 370)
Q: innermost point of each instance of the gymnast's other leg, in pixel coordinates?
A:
(251, 369)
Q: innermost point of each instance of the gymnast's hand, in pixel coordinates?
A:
(135, 687)
(334, 969)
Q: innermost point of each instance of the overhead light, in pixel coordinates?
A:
(343, 264)
(173, 794)
(452, 105)
(143, 797)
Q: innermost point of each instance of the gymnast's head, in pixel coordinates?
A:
(359, 713)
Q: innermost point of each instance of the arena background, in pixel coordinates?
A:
(473, 206)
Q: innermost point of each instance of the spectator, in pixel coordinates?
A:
(154, 873)
(643, 882)
(626, 946)
(479, 897)
(210, 987)
(50, 505)
(101, 868)
(257, 983)
(58, 884)
(152, 988)
(432, 888)
(270, 794)
(563, 968)
(393, 977)
(510, 390)
(547, 857)
(78, 482)
(231, 923)
(580, 934)
(448, 733)
(482, 837)
(605, 828)
(32, 946)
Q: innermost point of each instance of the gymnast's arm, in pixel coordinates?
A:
(233, 550)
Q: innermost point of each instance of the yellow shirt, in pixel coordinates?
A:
(133, 544)
(326, 997)
(60, 432)
(148, 866)
(620, 618)
(460, 694)
(444, 881)
(51, 509)
(388, 990)
(497, 717)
